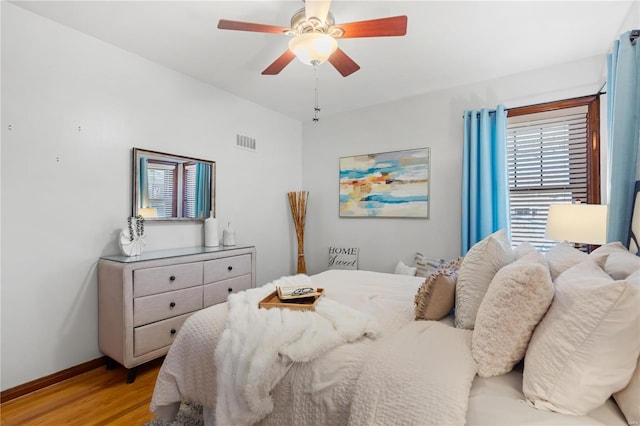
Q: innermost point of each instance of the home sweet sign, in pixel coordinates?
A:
(343, 258)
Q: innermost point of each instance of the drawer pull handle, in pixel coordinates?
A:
(172, 304)
(229, 268)
(172, 278)
(229, 289)
(173, 331)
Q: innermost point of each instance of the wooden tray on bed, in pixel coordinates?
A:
(302, 304)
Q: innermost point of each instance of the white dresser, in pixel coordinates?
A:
(144, 300)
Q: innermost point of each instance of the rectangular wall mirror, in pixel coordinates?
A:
(172, 187)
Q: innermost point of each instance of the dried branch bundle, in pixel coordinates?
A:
(298, 203)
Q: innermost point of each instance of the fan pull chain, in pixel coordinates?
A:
(316, 108)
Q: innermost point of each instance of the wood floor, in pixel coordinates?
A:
(98, 397)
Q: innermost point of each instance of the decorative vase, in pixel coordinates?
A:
(132, 238)
(298, 204)
(229, 236)
(211, 238)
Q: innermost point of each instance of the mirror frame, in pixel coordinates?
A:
(138, 152)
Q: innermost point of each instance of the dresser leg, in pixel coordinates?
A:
(111, 364)
(131, 377)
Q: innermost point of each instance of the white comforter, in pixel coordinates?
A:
(258, 346)
(420, 375)
(331, 390)
(321, 390)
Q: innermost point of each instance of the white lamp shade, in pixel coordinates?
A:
(148, 212)
(313, 48)
(577, 223)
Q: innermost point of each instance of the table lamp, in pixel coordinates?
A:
(577, 223)
(148, 212)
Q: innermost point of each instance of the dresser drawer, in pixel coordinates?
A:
(135, 316)
(225, 268)
(166, 278)
(219, 291)
(157, 335)
(166, 305)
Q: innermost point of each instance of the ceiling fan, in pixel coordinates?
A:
(315, 36)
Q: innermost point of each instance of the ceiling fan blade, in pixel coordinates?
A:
(316, 9)
(344, 64)
(225, 24)
(279, 64)
(383, 27)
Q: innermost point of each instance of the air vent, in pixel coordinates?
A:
(245, 142)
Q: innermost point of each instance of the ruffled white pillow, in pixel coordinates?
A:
(517, 299)
(586, 347)
(478, 267)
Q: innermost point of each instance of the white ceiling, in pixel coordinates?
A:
(448, 43)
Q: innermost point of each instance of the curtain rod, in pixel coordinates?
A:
(542, 103)
(602, 92)
(634, 36)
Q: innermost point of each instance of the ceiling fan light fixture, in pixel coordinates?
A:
(313, 48)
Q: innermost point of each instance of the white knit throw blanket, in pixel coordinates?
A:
(258, 346)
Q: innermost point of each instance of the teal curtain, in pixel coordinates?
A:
(623, 113)
(485, 186)
(203, 190)
(144, 184)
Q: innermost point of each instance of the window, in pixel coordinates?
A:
(553, 156)
(189, 196)
(161, 185)
(172, 187)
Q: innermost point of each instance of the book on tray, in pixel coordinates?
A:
(297, 292)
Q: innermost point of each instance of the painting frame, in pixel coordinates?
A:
(392, 184)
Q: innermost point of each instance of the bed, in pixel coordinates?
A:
(535, 339)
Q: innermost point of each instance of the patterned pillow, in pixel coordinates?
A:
(478, 267)
(436, 296)
(426, 265)
(517, 299)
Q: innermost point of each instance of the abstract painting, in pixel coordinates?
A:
(388, 184)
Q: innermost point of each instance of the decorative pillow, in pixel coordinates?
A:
(628, 399)
(478, 267)
(425, 266)
(523, 249)
(562, 257)
(436, 296)
(621, 262)
(402, 269)
(586, 347)
(517, 299)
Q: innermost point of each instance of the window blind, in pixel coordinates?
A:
(547, 163)
(161, 180)
(190, 174)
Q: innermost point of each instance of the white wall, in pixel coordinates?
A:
(55, 81)
(76, 107)
(433, 120)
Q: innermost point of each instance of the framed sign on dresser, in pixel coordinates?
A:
(144, 300)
